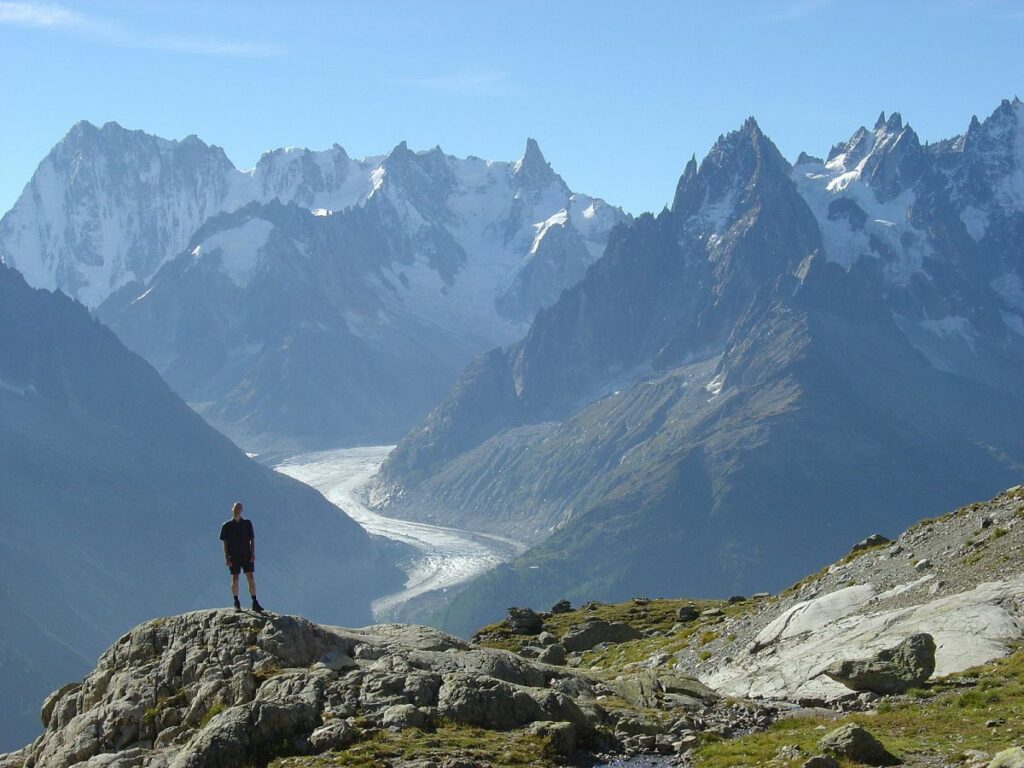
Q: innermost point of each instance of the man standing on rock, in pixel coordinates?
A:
(240, 553)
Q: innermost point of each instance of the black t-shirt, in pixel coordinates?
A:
(237, 534)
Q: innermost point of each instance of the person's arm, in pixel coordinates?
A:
(227, 557)
(252, 544)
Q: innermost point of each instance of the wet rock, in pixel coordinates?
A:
(857, 744)
(894, 670)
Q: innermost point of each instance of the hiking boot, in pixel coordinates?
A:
(238, 605)
(256, 606)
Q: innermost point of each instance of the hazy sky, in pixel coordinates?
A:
(619, 94)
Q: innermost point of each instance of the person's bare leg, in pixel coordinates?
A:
(251, 578)
(234, 584)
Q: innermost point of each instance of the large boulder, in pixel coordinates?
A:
(1008, 758)
(583, 637)
(561, 735)
(524, 621)
(894, 670)
(857, 744)
(487, 702)
(651, 688)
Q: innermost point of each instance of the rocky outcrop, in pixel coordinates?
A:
(585, 636)
(893, 670)
(215, 689)
(970, 601)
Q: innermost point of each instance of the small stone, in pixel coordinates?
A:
(995, 723)
(760, 595)
(736, 599)
(821, 761)
(789, 752)
(987, 522)
(923, 565)
(711, 613)
(975, 757)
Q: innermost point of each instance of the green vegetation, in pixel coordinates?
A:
(934, 724)
(656, 618)
(500, 749)
(707, 637)
(212, 712)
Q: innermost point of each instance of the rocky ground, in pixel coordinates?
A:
(220, 688)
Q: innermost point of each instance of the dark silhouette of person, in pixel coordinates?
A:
(239, 542)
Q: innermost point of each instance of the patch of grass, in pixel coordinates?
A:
(212, 712)
(973, 559)
(500, 749)
(707, 637)
(656, 614)
(263, 674)
(998, 533)
(704, 655)
(934, 730)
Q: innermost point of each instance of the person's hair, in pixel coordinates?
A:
(236, 506)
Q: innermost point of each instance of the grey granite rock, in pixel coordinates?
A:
(857, 744)
(894, 670)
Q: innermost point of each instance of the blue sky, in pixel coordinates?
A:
(619, 94)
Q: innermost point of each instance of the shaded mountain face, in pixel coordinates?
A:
(787, 360)
(314, 300)
(112, 492)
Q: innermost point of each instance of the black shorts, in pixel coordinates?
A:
(238, 565)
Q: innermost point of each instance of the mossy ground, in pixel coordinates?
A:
(653, 616)
(934, 725)
(500, 749)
